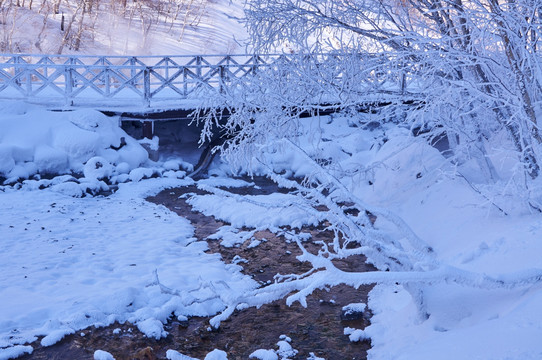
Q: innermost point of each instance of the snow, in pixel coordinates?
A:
(105, 247)
(103, 355)
(466, 231)
(216, 355)
(263, 354)
(314, 357)
(354, 308)
(175, 355)
(152, 328)
(284, 351)
(254, 211)
(69, 262)
(34, 142)
(15, 351)
(231, 236)
(55, 336)
(355, 334)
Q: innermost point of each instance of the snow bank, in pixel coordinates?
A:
(36, 141)
(256, 211)
(445, 204)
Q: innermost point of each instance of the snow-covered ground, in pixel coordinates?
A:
(70, 260)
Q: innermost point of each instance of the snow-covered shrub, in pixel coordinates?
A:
(97, 168)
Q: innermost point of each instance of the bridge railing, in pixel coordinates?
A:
(118, 80)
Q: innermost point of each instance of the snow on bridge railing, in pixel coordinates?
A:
(126, 80)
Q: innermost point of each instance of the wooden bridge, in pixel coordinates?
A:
(120, 80)
(142, 88)
(133, 81)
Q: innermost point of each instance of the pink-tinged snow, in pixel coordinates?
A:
(212, 27)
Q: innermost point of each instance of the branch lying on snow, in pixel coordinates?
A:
(332, 277)
(186, 296)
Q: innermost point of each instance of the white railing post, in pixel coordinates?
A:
(28, 74)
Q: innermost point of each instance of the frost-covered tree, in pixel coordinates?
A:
(473, 66)
(472, 75)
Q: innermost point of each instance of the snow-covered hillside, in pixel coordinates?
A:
(107, 27)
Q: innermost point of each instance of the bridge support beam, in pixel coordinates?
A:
(148, 129)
